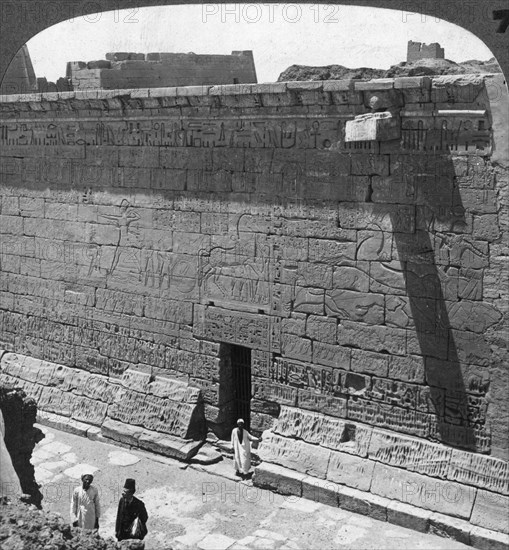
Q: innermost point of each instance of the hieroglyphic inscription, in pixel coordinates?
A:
(245, 132)
(250, 330)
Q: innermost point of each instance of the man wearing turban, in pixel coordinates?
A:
(85, 507)
(241, 443)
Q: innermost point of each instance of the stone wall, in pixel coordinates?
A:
(121, 70)
(153, 231)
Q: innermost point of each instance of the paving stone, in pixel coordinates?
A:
(121, 458)
(79, 469)
(216, 541)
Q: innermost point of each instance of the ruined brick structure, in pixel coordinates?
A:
(417, 51)
(121, 70)
(172, 258)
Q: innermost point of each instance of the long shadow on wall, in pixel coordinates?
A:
(439, 261)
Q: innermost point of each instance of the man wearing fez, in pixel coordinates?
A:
(85, 507)
(130, 509)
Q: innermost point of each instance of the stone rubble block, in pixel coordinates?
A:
(348, 437)
(297, 455)
(136, 380)
(408, 516)
(479, 470)
(410, 453)
(279, 479)
(305, 425)
(350, 470)
(176, 390)
(88, 410)
(429, 493)
(491, 511)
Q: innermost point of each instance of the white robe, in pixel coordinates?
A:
(9, 480)
(242, 451)
(85, 507)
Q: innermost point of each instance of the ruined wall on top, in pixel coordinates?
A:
(417, 51)
(145, 231)
(121, 70)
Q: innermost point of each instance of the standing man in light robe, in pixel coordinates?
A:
(241, 443)
(85, 507)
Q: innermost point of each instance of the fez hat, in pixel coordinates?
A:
(130, 485)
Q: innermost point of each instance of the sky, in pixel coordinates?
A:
(280, 35)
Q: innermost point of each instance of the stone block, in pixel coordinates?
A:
(299, 456)
(331, 355)
(309, 399)
(408, 516)
(319, 490)
(486, 539)
(453, 528)
(350, 470)
(371, 337)
(413, 454)
(430, 493)
(87, 410)
(62, 423)
(456, 88)
(167, 445)
(121, 432)
(322, 329)
(369, 362)
(279, 479)
(355, 306)
(491, 511)
(480, 471)
(297, 423)
(373, 127)
(94, 433)
(360, 502)
(409, 368)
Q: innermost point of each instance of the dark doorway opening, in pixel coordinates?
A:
(241, 374)
(234, 388)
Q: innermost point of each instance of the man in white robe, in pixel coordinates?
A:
(85, 507)
(241, 443)
(9, 481)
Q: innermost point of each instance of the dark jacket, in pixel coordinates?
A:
(126, 514)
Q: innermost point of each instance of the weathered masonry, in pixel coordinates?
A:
(172, 258)
(122, 70)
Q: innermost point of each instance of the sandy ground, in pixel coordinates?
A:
(206, 507)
